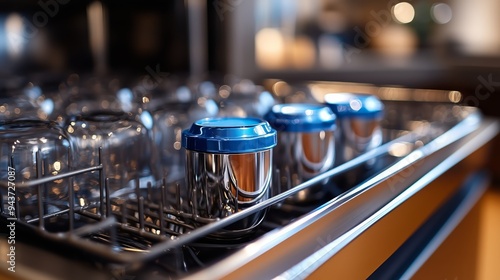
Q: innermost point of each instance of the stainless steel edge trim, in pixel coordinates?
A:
(272, 239)
(306, 267)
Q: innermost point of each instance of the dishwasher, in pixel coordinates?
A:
(384, 213)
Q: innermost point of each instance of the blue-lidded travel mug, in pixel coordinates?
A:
(228, 168)
(359, 119)
(306, 145)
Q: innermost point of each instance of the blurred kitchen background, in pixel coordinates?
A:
(428, 44)
(451, 44)
(420, 43)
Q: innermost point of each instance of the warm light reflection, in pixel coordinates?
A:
(302, 53)
(441, 13)
(270, 48)
(177, 145)
(403, 12)
(105, 104)
(455, 96)
(400, 149)
(14, 28)
(57, 165)
(322, 135)
(224, 91)
(281, 88)
(96, 16)
(475, 27)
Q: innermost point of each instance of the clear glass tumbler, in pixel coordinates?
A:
(35, 149)
(126, 154)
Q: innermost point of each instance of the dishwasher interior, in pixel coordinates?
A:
(144, 234)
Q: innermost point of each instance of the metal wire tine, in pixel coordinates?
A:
(18, 210)
(137, 187)
(277, 181)
(94, 227)
(62, 175)
(140, 205)
(288, 177)
(101, 184)
(141, 212)
(236, 198)
(38, 164)
(178, 195)
(150, 191)
(108, 202)
(70, 197)
(124, 212)
(114, 237)
(195, 204)
(12, 161)
(160, 209)
(163, 191)
(46, 216)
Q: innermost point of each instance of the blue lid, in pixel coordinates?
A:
(230, 135)
(354, 105)
(299, 117)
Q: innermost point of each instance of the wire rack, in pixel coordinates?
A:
(147, 225)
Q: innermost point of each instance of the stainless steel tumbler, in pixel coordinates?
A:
(359, 119)
(306, 145)
(228, 167)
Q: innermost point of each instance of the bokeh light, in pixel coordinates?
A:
(441, 13)
(403, 12)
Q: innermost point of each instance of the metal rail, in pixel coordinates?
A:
(168, 228)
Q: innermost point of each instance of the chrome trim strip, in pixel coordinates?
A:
(313, 262)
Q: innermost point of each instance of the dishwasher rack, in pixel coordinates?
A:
(144, 227)
(147, 217)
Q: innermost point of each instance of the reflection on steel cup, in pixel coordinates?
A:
(229, 167)
(359, 118)
(306, 145)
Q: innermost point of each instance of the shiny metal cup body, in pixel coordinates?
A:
(219, 185)
(357, 136)
(300, 156)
